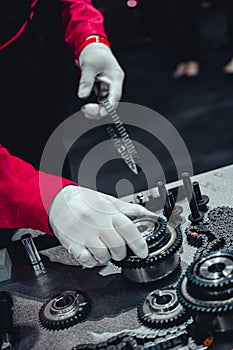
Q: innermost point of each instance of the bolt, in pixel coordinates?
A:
(196, 216)
(202, 200)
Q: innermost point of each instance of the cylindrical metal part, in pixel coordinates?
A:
(196, 216)
(188, 188)
(202, 200)
(153, 273)
(6, 318)
(33, 254)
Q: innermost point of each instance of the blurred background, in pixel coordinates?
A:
(146, 37)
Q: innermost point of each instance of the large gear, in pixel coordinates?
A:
(207, 290)
(161, 309)
(164, 242)
(64, 310)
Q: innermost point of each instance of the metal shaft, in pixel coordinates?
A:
(32, 253)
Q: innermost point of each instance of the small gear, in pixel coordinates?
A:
(163, 244)
(64, 310)
(161, 309)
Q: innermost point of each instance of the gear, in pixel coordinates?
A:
(213, 270)
(161, 309)
(163, 243)
(64, 310)
(207, 289)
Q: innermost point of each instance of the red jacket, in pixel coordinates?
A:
(21, 204)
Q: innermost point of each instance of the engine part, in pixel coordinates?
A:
(207, 290)
(161, 309)
(196, 215)
(6, 319)
(130, 154)
(65, 310)
(170, 340)
(202, 200)
(164, 242)
(33, 254)
(171, 211)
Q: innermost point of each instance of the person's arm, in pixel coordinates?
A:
(84, 32)
(92, 226)
(81, 20)
(21, 204)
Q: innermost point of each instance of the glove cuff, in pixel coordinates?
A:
(92, 39)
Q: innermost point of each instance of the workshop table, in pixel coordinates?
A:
(114, 299)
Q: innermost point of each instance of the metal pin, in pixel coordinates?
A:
(196, 216)
(33, 254)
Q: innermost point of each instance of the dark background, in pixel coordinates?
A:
(200, 108)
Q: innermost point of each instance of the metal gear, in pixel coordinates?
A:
(64, 310)
(212, 271)
(207, 289)
(161, 309)
(163, 242)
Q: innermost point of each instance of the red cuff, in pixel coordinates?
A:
(93, 39)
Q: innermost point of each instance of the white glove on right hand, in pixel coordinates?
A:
(95, 227)
(97, 63)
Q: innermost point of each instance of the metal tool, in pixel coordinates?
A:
(122, 141)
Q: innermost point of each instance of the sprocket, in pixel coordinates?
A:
(161, 309)
(64, 310)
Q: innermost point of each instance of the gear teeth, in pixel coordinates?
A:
(173, 317)
(191, 289)
(209, 285)
(136, 263)
(78, 313)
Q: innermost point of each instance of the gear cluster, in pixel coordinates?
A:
(164, 242)
(207, 290)
(64, 310)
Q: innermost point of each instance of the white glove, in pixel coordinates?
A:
(95, 227)
(97, 63)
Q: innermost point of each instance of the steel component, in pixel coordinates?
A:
(207, 289)
(161, 309)
(64, 310)
(33, 254)
(177, 339)
(196, 216)
(6, 319)
(163, 242)
(202, 200)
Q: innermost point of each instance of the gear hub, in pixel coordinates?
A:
(64, 310)
(161, 309)
(164, 242)
(207, 290)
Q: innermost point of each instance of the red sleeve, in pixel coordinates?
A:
(26, 194)
(81, 19)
